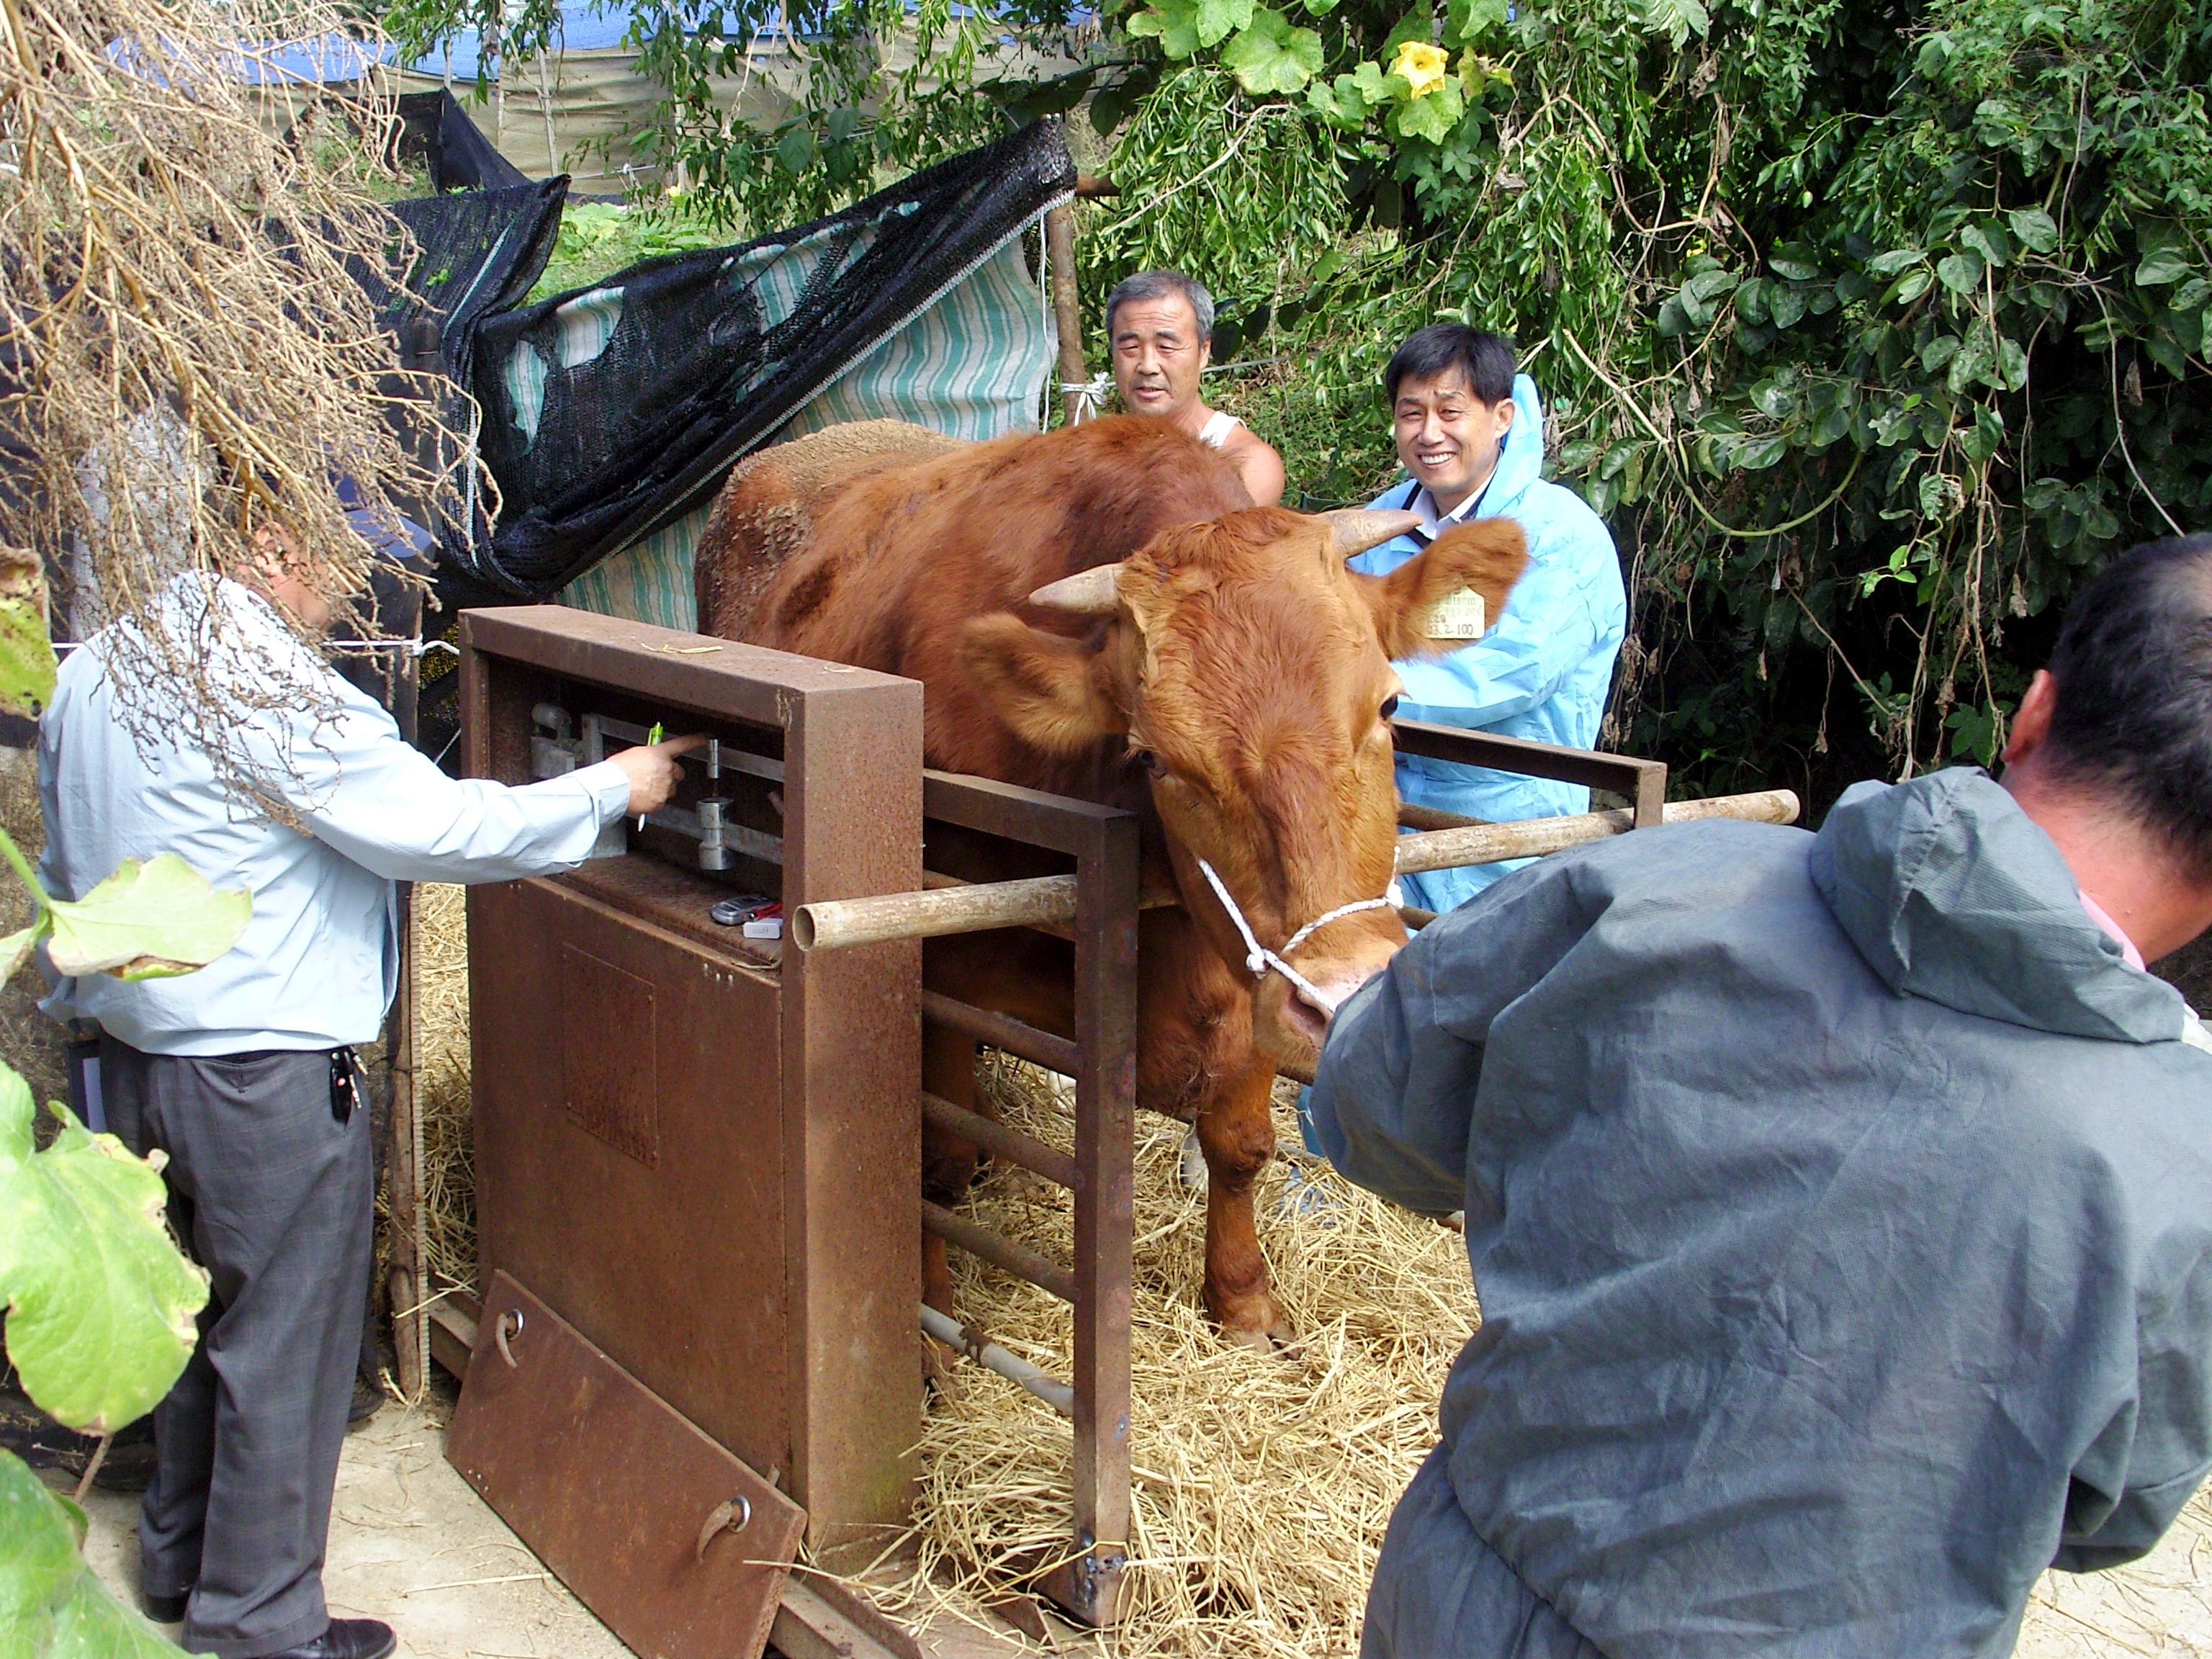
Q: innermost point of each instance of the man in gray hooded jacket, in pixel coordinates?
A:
(1841, 1204)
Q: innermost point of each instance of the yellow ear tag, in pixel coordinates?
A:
(1458, 615)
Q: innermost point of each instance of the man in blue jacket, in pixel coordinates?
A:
(1840, 1205)
(1470, 434)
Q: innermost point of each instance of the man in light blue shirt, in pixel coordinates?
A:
(1470, 434)
(243, 1072)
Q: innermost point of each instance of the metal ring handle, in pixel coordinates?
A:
(734, 1514)
(501, 1333)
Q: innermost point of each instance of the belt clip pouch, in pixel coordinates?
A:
(345, 1093)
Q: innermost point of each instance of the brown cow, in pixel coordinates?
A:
(1100, 612)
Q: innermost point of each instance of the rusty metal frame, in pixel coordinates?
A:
(833, 1175)
(1644, 783)
(1102, 1060)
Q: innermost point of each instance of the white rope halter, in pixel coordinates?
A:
(1258, 958)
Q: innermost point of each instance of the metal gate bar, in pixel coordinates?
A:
(1102, 1060)
(995, 1137)
(1055, 1054)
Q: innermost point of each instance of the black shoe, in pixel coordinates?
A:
(346, 1638)
(366, 1403)
(167, 1609)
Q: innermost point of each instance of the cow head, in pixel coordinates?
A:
(1249, 672)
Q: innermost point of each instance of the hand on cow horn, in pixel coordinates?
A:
(651, 770)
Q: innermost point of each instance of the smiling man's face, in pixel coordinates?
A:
(1447, 437)
(1158, 355)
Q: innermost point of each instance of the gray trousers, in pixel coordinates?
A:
(273, 1196)
(1441, 1593)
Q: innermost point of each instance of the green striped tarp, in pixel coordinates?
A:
(972, 365)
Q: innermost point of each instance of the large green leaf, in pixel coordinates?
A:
(1433, 115)
(147, 922)
(99, 1301)
(1960, 272)
(1219, 19)
(1273, 56)
(27, 651)
(1678, 20)
(2035, 228)
(2162, 265)
(52, 1606)
(17, 946)
(26, 660)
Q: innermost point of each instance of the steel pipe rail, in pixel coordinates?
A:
(1017, 1037)
(996, 1138)
(1022, 1262)
(836, 924)
(1443, 849)
(1050, 901)
(1060, 1395)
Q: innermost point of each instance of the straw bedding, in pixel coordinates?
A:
(441, 1083)
(1263, 1484)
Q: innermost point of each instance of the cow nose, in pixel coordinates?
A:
(1302, 1016)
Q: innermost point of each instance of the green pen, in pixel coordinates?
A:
(651, 738)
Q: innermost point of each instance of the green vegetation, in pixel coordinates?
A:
(99, 1302)
(1872, 328)
(598, 238)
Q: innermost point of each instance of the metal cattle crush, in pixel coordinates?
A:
(698, 1153)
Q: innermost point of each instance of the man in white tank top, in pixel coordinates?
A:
(1160, 324)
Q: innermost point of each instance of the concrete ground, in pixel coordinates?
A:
(411, 1543)
(2160, 1606)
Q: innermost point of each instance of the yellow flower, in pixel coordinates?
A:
(1422, 65)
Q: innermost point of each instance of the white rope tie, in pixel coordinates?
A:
(1258, 958)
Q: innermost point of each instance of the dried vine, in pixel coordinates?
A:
(189, 365)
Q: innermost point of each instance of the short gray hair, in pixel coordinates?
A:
(1161, 285)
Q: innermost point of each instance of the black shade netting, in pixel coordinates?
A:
(460, 157)
(610, 412)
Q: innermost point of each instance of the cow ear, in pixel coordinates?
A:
(1051, 690)
(1487, 556)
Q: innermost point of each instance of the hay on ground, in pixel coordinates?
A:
(1262, 1483)
(441, 1084)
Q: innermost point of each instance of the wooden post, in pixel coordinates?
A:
(1059, 254)
(407, 1285)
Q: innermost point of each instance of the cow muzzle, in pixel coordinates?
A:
(1296, 1013)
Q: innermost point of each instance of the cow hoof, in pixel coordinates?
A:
(1276, 1340)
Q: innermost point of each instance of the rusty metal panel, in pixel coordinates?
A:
(653, 1221)
(703, 1153)
(853, 1184)
(609, 1075)
(678, 1547)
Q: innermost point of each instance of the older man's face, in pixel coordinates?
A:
(1158, 355)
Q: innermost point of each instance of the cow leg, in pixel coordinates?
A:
(1236, 1129)
(948, 1162)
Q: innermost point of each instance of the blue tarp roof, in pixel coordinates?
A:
(583, 28)
(329, 57)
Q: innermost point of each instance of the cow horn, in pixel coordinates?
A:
(1091, 592)
(1356, 529)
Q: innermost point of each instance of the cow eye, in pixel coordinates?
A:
(1149, 761)
(1389, 707)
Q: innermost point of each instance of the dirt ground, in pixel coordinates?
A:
(411, 1543)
